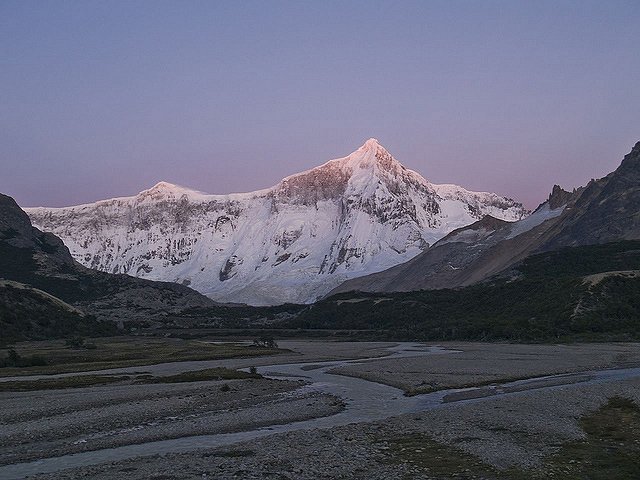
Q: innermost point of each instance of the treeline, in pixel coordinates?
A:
(545, 299)
(241, 316)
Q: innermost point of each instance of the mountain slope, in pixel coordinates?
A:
(466, 255)
(46, 293)
(606, 210)
(29, 313)
(293, 242)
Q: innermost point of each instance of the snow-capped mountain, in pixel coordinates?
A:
(604, 211)
(293, 242)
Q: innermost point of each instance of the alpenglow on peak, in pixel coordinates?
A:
(373, 147)
(372, 143)
(166, 188)
(369, 154)
(293, 242)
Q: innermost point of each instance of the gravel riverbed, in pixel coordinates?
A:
(505, 431)
(516, 429)
(479, 363)
(69, 421)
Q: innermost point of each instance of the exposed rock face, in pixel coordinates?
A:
(41, 261)
(16, 230)
(291, 243)
(606, 210)
(559, 197)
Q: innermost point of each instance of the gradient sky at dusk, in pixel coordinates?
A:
(105, 98)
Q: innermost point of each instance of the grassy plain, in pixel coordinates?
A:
(118, 352)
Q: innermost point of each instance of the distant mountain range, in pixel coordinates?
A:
(293, 242)
(569, 270)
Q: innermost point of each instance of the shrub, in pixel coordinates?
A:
(266, 342)
(14, 359)
(74, 342)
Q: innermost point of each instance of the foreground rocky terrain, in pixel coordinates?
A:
(507, 438)
(77, 420)
(503, 430)
(476, 364)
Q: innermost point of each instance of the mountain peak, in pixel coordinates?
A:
(632, 159)
(558, 197)
(16, 230)
(374, 148)
(292, 242)
(371, 144)
(373, 153)
(166, 188)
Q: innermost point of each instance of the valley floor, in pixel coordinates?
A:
(518, 431)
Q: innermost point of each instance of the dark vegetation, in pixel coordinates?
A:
(116, 352)
(241, 316)
(439, 461)
(217, 373)
(610, 449)
(265, 341)
(545, 299)
(14, 359)
(81, 381)
(275, 331)
(28, 314)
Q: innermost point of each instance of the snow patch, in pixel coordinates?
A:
(541, 215)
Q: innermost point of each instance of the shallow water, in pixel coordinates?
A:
(365, 401)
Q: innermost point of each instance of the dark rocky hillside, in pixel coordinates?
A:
(29, 313)
(41, 261)
(607, 209)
